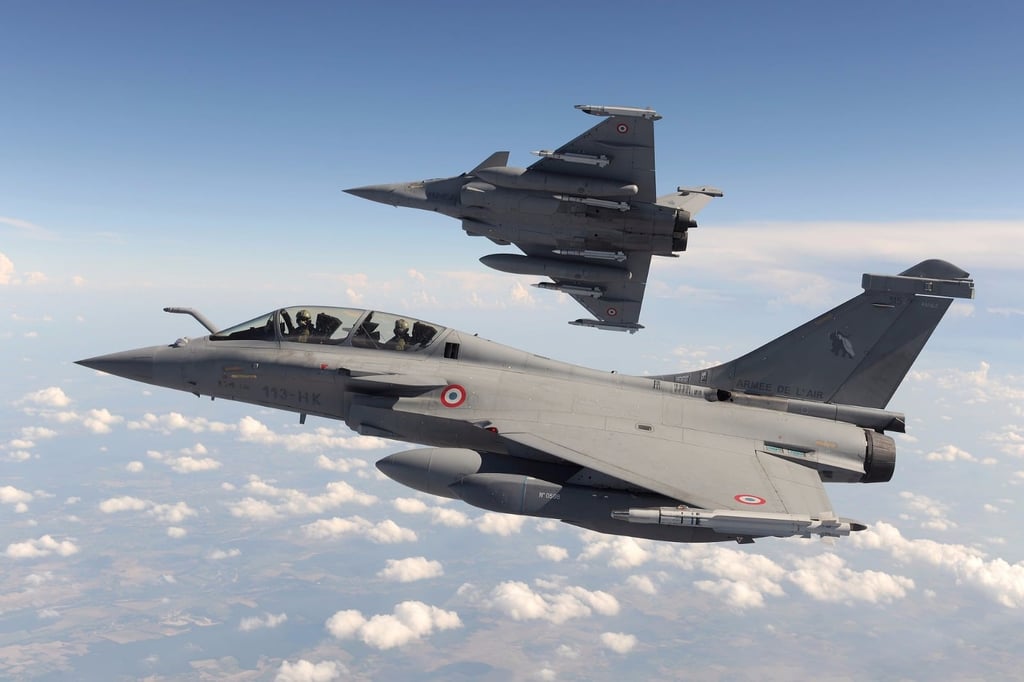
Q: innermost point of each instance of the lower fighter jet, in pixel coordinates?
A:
(585, 215)
(732, 452)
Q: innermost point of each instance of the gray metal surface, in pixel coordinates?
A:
(586, 214)
(692, 457)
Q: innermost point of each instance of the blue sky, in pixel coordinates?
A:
(193, 154)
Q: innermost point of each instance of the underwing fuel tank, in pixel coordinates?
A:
(529, 496)
(554, 268)
(523, 179)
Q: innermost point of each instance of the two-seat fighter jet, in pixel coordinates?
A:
(585, 215)
(732, 452)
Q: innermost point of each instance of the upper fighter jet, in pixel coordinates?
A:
(586, 215)
(732, 452)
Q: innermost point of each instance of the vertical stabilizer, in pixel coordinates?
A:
(855, 354)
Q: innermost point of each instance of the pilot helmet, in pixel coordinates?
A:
(303, 316)
(401, 325)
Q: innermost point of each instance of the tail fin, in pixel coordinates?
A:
(495, 160)
(855, 354)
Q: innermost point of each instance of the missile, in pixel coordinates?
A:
(616, 256)
(523, 179)
(620, 206)
(728, 522)
(635, 112)
(588, 159)
(572, 290)
(554, 268)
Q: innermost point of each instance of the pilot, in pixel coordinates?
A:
(402, 337)
(302, 328)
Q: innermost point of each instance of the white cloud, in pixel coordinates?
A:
(51, 396)
(556, 604)
(292, 502)
(134, 467)
(619, 642)
(176, 532)
(6, 270)
(125, 503)
(43, 546)
(11, 495)
(826, 578)
(500, 524)
(306, 671)
(439, 515)
(251, 430)
(934, 511)
(411, 569)
(342, 465)
(552, 553)
(188, 464)
(410, 621)
(998, 579)
(950, 453)
(743, 578)
(218, 554)
(165, 513)
(623, 552)
(383, 532)
(267, 621)
(641, 583)
(175, 421)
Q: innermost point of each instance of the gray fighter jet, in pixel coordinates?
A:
(585, 215)
(732, 452)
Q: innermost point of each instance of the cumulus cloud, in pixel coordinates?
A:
(134, 467)
(622, 552)
(51, 396)
(165, 513)
(219, 554)
(292, 502)
(411, 569)
(19, 499)
(641, 583)
(439, 515)
(619, 642)
(342, 465)
(251, 430)
(307, 671)
(552, 553)
(743, 579)
(933, 511)
(826, 578)
(551, 602)
(175, 421)
(268, 620)
(383, 532)
(998, 579)
(176, 532)
(40, 547)
(493, 523)
(950, 453)
(410, 621)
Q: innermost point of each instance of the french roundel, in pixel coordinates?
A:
(453, 396)
(749, 499)
(622, 128)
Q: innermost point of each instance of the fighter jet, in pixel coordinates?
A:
(585, 215)
(732, 452)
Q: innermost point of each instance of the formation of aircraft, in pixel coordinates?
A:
(733, 452)
(585, 215)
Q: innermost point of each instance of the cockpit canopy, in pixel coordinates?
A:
(328, 325)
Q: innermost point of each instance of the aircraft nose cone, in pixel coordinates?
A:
(384, 194)
(131, 364)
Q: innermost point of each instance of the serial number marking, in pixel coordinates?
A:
(283, 395)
